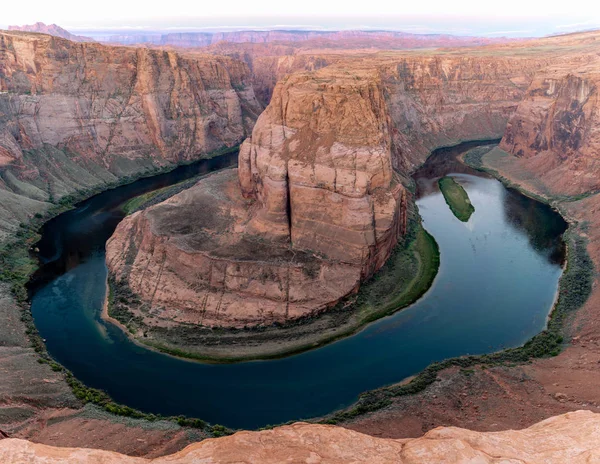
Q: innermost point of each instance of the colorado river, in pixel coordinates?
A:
(496, 284)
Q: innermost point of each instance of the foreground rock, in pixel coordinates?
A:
(572, 438)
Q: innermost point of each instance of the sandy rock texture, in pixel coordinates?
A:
(79, 115)
(572, 438)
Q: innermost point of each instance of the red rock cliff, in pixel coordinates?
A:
(319, 164)
(316, 210)
(555, 129)
(74, 116)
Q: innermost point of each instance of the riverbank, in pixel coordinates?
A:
(41, 399)
(406, 276)
(362, 408)
(552, 373)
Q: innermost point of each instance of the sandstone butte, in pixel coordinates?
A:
(572, 438)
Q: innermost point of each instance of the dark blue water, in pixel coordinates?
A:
(497, 281)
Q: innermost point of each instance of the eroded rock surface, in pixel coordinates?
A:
(79, 115)
(572, 438)
(556, 128)
(316, 209)
(323, 175)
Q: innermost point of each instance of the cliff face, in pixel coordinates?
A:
(555, 128)
(315, 210)
(572, 438)
(78, 115)
(442, 100)
(319, 164)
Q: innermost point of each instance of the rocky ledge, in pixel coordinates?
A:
(571, 438)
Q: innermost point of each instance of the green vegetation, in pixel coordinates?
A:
(457, 199)
(402, 280)
(406, 276)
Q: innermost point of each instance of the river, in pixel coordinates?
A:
(496, 284)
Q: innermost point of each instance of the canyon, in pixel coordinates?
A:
(312, 152)
(324, 197)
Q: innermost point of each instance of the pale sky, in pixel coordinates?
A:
(483, 17)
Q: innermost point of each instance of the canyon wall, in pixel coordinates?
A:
(442, 100)
(571, 438)
(75, 116)
(555, 130)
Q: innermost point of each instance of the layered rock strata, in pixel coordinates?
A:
(572, 438)
(556, 128)
(75, 115)
(317, 209)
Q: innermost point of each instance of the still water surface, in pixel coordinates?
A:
(497, 281)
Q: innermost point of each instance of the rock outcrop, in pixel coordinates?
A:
(194, 259)
(322, 177)
(75, 116)
(319, 210)
(555, 129)
(571, 438)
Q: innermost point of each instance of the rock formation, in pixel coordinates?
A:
(556, 128)
(321, 179)
(572, 438)
(75, 116)
(319, 210)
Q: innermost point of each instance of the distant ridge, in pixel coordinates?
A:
(52, 29)
(344, 39)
